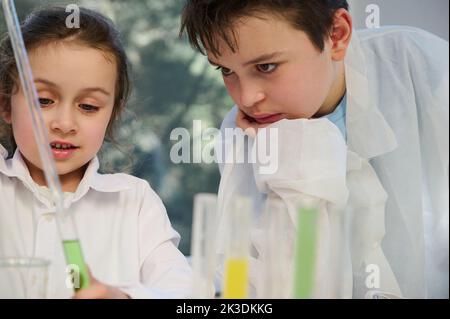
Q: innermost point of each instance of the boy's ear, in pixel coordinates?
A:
(341, 34)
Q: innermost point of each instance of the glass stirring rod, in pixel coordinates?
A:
(65, 223)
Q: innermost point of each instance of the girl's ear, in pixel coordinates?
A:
(4, 112)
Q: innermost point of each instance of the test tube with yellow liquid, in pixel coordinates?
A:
(236, 272)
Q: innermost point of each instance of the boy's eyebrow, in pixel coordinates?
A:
(263, 58)
(93, 89)
(212, 62)
(260, 59)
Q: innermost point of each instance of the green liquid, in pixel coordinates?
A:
(74, 256)
(305, 253)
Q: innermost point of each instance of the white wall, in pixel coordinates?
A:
(431, 15)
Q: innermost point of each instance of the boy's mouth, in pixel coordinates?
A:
(266, 118)
(62, 150)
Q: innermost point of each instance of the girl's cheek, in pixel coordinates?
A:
(25, 139)
(21, 118)
(95, 135)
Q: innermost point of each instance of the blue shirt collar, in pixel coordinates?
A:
(338, 116)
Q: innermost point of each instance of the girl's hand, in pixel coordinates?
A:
(247, 124)
(98, 290)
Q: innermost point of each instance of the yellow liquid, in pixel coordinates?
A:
(236, 279)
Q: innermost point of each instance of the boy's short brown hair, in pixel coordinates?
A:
(208, 21)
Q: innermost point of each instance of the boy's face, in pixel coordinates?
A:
(75, 85)
(277, 72)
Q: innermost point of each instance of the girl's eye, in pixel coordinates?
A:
(225, 71)
(45, 102)
(89, 108)
(266, 68)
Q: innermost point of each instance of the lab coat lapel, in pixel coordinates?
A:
(368, 133)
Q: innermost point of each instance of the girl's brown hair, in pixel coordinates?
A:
(48, 25)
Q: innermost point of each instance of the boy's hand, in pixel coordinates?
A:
(247, 124)
(98, 290)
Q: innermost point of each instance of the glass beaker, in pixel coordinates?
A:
(278, 250)
(204, 245)
(23, 278)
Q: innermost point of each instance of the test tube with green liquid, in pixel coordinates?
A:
(236, 277)
(73, 252)
(305, 252)
(66, 226)
(74, 256)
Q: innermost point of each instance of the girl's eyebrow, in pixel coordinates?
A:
(93, 89)
(46, 82)
(97, 89)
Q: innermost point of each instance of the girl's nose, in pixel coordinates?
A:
(64, 120)
(250, 94)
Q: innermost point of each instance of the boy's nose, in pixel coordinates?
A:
(250, 94)
(64, 121)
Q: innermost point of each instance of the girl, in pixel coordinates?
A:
(81, 77)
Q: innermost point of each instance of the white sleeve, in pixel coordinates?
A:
(308, 160)
(311, 170)
(164, 271)
(164, 277)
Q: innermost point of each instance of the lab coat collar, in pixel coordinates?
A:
(106, 183)
(368, 133)
(16, 167)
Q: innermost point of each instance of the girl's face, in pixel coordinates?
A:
(75, 85)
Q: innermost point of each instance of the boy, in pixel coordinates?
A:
(362, 120)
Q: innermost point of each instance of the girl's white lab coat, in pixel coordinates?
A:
(126, 237)
(383, 195)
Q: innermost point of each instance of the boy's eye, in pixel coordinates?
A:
(45, 102)
(267, 68)
(225, 71)
(89, 108)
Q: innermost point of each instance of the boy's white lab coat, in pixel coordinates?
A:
(126, 236)
(383, 197)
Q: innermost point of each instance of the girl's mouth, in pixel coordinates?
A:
(62, 150)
